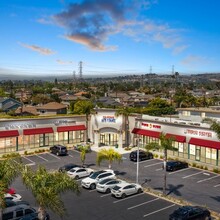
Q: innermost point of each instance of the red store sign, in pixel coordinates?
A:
(198, 133)
(149, 125)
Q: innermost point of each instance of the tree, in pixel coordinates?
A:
(110, 155)
(83, 151)
(215, 126)
(165, 144)
(8, 173)
(46, 187)
(125, 111)
(84, 107)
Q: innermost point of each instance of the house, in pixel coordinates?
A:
(26, 111)
(52, 108)
(66, 99)
(23, 95)
(9, 104)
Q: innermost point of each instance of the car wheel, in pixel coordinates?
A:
(139, 190)
(76, 177)
(108, 190)
(207, 218)
(57, 153)
(123, 195)
(93, 186)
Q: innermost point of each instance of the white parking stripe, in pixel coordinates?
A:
(192, 175)
(159, 169)
(109, 194)
(159, 210)
(217, 185)
(153, 164)
(142, 203)
(41, 157)
(207, 179)
(144, 161)
(180, 170)
(128, 198)
(29, 160)
(54, 156)
(70, 155)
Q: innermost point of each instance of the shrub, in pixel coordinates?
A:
(194, 164)
(25, 153)
(155, 155)
(205, 168)
(161, 156)
(215, 170)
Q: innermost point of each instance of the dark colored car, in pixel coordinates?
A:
(68, 167)
(143, 155)
(59, 150)
(190, 213)
(174, 165)
(34, 216)
(10, 203)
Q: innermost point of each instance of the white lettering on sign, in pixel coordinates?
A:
(110, 119)
(149, 125)
(21, 126)
(198, 133)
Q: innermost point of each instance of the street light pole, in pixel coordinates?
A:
(137, 161)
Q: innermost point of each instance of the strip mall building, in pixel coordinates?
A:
(194, 143)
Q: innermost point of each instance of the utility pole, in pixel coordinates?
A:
(150, 70)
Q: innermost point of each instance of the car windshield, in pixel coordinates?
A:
(117, 188)
(104, 181)
(94, 175)
(63, 148)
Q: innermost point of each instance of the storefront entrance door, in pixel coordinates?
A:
(198, 153)
(108, 139)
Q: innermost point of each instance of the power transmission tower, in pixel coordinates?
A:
(150, 70)
(80, 70)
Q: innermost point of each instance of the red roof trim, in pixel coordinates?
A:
(10, 133)
(177, 138)
(37, 131)
(205, 143)
(149, 133)
(71, 128)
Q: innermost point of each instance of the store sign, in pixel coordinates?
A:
(110, 119)
(64, 122)
(20, 126)
(198, 133)
(149, 125)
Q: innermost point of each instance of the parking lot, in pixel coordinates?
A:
(197, 186)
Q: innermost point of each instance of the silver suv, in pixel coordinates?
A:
(91, 181)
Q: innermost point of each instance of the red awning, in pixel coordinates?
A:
(11, 133)
(71, 128)
(177, 138)
(205, 143)
(33, 131)
(149, 133)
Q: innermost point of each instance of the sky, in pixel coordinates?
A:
(109, 37)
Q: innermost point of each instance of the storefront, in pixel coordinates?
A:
(106, 129)
(194, 143)
(16, 135)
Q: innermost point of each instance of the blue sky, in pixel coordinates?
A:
(51, 37)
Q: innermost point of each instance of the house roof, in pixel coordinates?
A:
(72, 97)
(52, 106)
(27, 109)
(80, 93)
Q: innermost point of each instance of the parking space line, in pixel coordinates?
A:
(153, 164)
(159, 210)
(143, 203)
(192, 175)
(159, 169)
(92, 190)
(70, 155)
(207, 179)
(217, 185)
(41, 157)
(178, 171)
(32, 162)
(130, 197)
(144, 161)
(54, 156)
(105, 195)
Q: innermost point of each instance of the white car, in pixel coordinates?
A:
(125, 189)
(91, 181)
(79, 172)
(106, 185)
(13, 197)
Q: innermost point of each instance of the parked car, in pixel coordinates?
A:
(125, 189)
(190, 213)
(17, 212)
(91, 181)
(34, 216)
(143, 155)
(10, 203)
(174, 165)
(68, 167)
(11, 191)
(79, 172)
(13, 197)
(59, 150)
(106, 185)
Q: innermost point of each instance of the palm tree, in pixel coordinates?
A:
(83, 151)
(84, 107)
(108, 154)
(215, 126)
(165, 144)
(8, 173)
(46, 187)
(125, 111)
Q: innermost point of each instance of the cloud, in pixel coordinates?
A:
(41, 50)
(192, 61)
(92, 22)
(63, 62)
